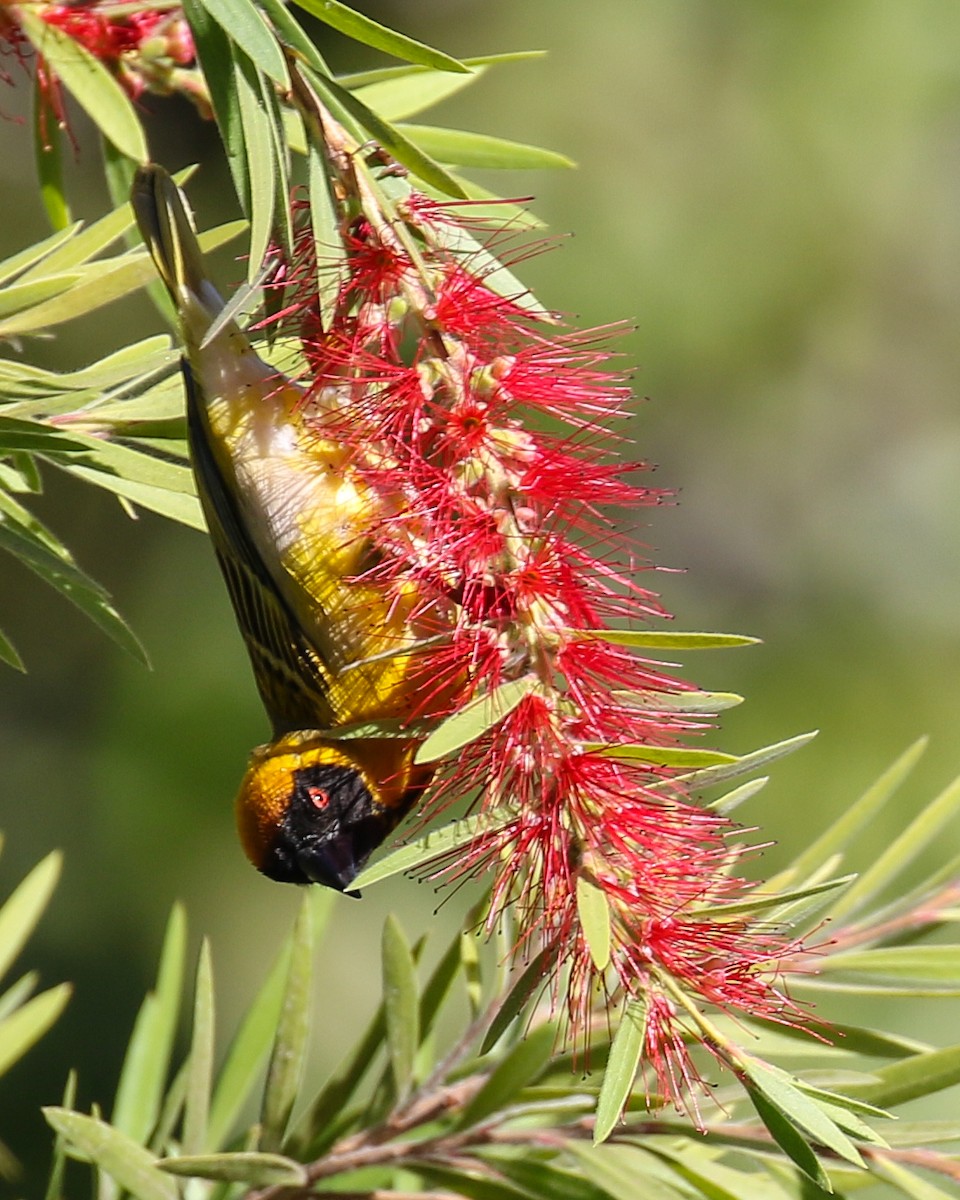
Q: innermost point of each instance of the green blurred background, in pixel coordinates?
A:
(771, 192)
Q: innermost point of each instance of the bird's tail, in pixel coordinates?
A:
(169, 236)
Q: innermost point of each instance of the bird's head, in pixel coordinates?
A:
(312, 811)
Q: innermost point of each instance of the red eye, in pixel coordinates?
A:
(319, 797)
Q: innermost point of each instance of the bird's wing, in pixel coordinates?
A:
(290, 673)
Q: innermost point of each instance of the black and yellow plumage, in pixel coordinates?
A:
(290, 522)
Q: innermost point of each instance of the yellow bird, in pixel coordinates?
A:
(290, 522)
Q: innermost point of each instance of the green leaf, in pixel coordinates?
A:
(23, 909)
(793, 1144)
(289, 1046)
(662, 639)
(196, 1110)
(21, 296)
(127, 1162)
(370, 33)
(739, 795)
(619, 1170)
(747, 763)
(9, 655)
(29, 1023)
(48, 156)
(58, 1166)
(90, 83)
(911, 1078)
(524, 1063)
(905, 1181)
(938, 964)
(462, 1183)
(258, 144)
(23, 260)
(800, 1109)
(402, 96)
(147, 1060)
(854, 819)
(545, 1180)
(244, 25)
(392, 140)
(361, 79)
(326, 234)
(901, 852)
(593, 910)
(664, 756)
(685, 702)
(401, 1004)
(621, 1070)
(463, 148)
(430, 847)
(248, 1052)
(175, 505)
(759, 901)
(530, 980)
(475, 719)
(249, 1166)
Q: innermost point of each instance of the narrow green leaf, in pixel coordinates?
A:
(747, 763)
(662, 639)
(405, 95)
(544, 1179)
(621, 1070)
(685, 702)
(401, 1004)
(196, 1110)
(258, 143)
(23, 909)
(289, 1046)
(530, 980)
(9, 655)
(593, 910)
(906, 1182)
(58, 1166)
(246, 1166)
(664, 756)
(522, 1065)
(790, 1140)
(393, 141)
(23, 260)
(19, 297)
(475, 719)
(245, 26)
(918, 964)
(127, 1162)
(292, 34)
(370, 33)
(924, 1133)
(29, 1023)
(623, 1172)
(739, 795)
(91, 84)
(462, 1183)
(759, 901)
(911, 1078)
(48, 156)
(463, 148)
(714, 1180)
(361, 79)
(430, 847)
(854, 819)
(326, 234)
(438, 985)
(175, 505)
(248, 1052)
(800, 1109)
(901, 852)
(17, 993)
(147, 1060)
(100, 283)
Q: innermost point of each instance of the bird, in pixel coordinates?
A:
(291, 521)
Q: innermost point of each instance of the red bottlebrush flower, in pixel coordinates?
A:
(496, 533)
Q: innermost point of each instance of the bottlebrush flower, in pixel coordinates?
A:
(484, 428)
(149, 50)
